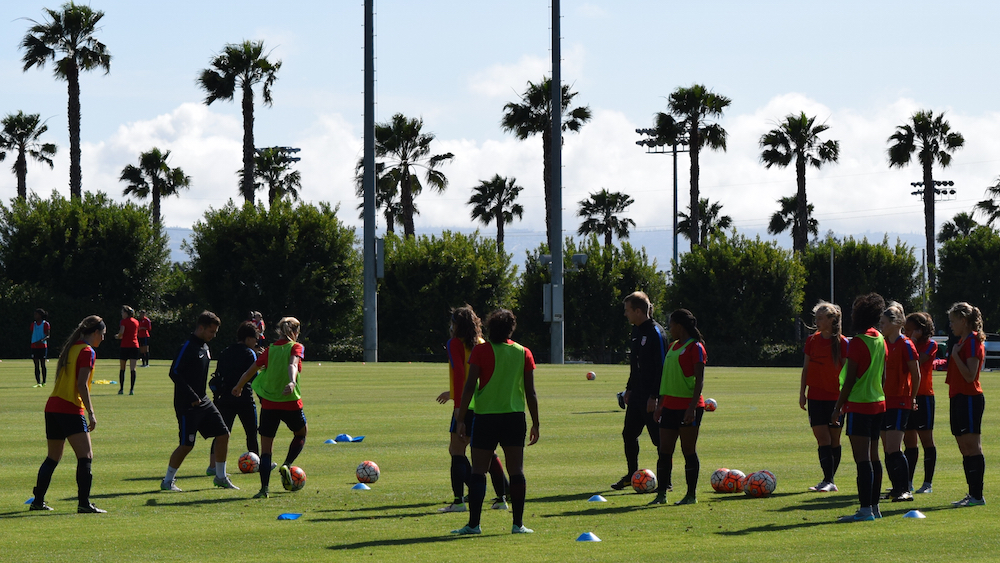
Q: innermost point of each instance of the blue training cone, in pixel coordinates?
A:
(343, 438)
(597, 498)
(357, 438)
(361, 487)
(914, 514)
(588, 536)
(330, 441)
(289, 516)
(30, 500)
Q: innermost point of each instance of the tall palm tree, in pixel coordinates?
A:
(533, 116)
(990, 208)
(273, 170)
(787, 217)
(386, 194)
(712, 223)
(689, 112)
(245, 65)
(68, 33)
(404, 148)
(154, 178)
(960, 226)
(20, 134)
(797, 138)
(601, 212)
(933, 140)
(493, 200)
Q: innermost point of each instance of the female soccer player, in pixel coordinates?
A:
(466, 333)
(234, 361)
(861, 397)
(902, 380)
(145, 327)
(128, 333)
(966, 396)
(40, 329)
(681, 406)
(64, 420)
(258, 322)
(280, 400)
(502, 380)
(825, 352)
(918, 328)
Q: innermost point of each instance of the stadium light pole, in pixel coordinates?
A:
(943, 191)
(655, 145)
(557, 326)
(370, 297)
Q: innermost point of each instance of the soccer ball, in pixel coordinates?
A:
(711, 405)
(368, 472)
(643, 481)
(249, 463)
(298, 477)
(760, 484)
(591, 376)
(734, 481)
(718, 477)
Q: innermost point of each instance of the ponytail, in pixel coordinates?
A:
(686, 319)
(288, 327)
(89, 325)
(972, 315)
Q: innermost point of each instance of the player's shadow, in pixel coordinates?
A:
(394, 516)
(381, 508)
(156, 478)
(774, 528)
(597, 412)
(825, 502)
(29, 513)
(561, 498)
(396, 542)
(599, 511)
(199, 502)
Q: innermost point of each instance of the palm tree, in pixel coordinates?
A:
(797, 138)
(933, 140)
(711, 224)
(788, 217)
(68, 33)
(273, 170)
(245, 65)
(689, 111)
(21, 133)
(601, 212)
(533, 116)
(990, 208)
(960, 226)
(404, 147)
(493, 200)
(154, 179)
(386, 194)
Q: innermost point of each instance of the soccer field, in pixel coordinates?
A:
(758, 426)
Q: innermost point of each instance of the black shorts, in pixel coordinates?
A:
(895, 419)
(39, 353)
(820, 413)
(866, 425)
(923, 417)
(143, 341)
(129, 354)
(469, 416)
(673, 419)
(506, 429)
(270, 419)
(967, 414)
(204, 419)
(60, 425)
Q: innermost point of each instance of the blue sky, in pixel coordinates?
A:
(863, 67)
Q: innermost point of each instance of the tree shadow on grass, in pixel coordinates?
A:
(393, 516)
(598, 412)
(199, 502)
(383, 507)
(601, 511)
(397, 542)
(822, 503)
(774, 528)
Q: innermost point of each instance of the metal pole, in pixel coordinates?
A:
(832, 300)
(370, 319)
(923, 275)
(555, 220)
(675, 204)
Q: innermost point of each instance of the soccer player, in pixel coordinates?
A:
(40, 329)
(825, 352)
(647, 351)
(966, 396)
(280, 400)
(145, 326)
(195, 412)
(862, 398)
(258, 321)
(680, 406)
(233, 362)
(128, 334)
(466, 333)
(902, 380)
(918, 328)
(502, 381)
(64, 420)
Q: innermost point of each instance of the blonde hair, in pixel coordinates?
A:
(288, 327)
(831, 310)
(972, 315)
(87, 326)
(894, 312)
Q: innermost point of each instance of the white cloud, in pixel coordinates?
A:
(501, 80)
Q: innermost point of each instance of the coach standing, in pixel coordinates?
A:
(647, 351)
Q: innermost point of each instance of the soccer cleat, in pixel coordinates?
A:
(210, 471)
(515, 529)
(37, 385)
(660, 499)
(817, 488)
(90, 509)
(453, 507)
(274, 465)
(688, 499)
(622, 483)
(969, 500)
(621, 399)
(499, 503)
(131, 392)
(263, 493)
(286, 477)
(224, 482)
(924, 489)
(905, 497)
(859, 516)
(121, 391)
(467, 531)
(169, 486)
(827, 488)
(41, 506)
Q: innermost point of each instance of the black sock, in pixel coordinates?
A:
(975, 467)
(664, 466)
(876, 482)
(459, 476)
(132, 388)
(294, 449)
(44, 479)
(518, 489)
(84, 478)
(826, 462)
(45, 372)
(121, 379)
(632, 456)
(265, 470)
(500, 483)
(691, 468)
(912, 455)
(865, 483)
(837, 450)
(895, 467)
(477, 492)
(930, 460)
(38, 373)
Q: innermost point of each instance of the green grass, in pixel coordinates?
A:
(758, 425)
